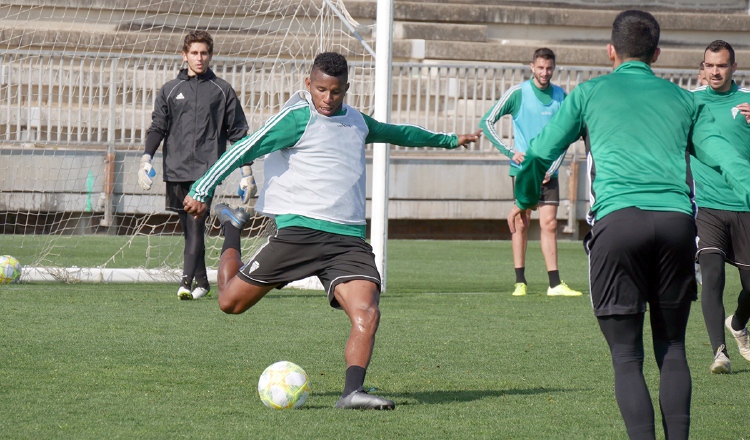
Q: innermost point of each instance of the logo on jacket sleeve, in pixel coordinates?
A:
(180, 96)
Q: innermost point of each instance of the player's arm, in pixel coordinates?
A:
(154, 136)
(234, 118)
(744, 109)
(407, 135)
(711, 147)
(281, 131)
(236, 127)
(550, 145)
(508, 104)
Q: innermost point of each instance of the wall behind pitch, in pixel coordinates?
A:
(676, 5)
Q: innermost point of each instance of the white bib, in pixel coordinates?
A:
(323, 175)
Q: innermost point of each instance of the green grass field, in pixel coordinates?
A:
(461, 357)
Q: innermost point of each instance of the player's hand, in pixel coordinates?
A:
(146, 173)
(744, 108)
(248, 189)
(518, 157)
(466, 139)
(194, 207)
(546, 179)
(516, 213)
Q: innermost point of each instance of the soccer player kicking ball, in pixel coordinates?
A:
(314, 189)
(642, 240)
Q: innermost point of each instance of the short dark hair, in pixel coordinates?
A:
(544, 53)
(332, 64)
(635, 35)
(717, 46)
(198, 37)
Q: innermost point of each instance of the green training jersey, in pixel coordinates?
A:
(284, 130)
(711, 190)
(639, 130)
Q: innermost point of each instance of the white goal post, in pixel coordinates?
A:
(77, 85)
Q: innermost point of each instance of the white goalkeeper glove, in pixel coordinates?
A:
(248, 189)
(146, 173)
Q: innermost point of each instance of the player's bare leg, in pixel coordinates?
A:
(548, 235)
(235, 294)
(548, 238)
(519, 242)
(360, 299)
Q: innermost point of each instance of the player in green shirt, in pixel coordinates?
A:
(723, 219)
(641, 245)
(314, 188)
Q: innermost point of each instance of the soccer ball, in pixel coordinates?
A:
(283, 385)
(11, 270)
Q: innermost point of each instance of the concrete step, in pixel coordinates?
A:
(578, 36)
(520, 51)
(732, 6)
(439, 31)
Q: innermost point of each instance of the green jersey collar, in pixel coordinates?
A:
(634, 67)
(733, 88)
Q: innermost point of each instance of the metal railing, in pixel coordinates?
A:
(87, 102)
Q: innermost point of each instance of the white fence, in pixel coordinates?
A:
(49, 100)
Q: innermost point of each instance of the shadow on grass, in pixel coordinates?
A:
(441, 397)
(444, 397)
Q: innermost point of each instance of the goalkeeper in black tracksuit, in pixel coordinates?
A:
(195, 114)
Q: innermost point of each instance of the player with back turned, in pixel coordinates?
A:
(314, 189)
(641, 245)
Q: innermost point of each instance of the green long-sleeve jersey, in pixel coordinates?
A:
(639, 130)
(284, 130)
(711, 190)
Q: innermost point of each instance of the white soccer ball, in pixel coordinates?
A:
(283, 385)
(11, 269)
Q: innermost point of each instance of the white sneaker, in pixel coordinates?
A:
(741, 336)
(721, 363)
(184, 293)
(200, 292)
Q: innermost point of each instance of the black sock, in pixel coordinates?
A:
(203, 282)
(554, 278)
(521, 275)
(186, 282)
(712, 298)
(355, 377)
(201, 274)
(231, 238)
(742, 312)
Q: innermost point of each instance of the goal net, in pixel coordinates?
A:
(77, 86)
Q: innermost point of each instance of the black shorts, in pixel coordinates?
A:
(550, 191)
(295, 253)
(175, 195)
(726, 233)
(639, 257)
